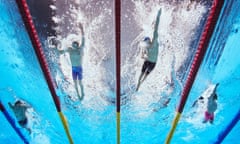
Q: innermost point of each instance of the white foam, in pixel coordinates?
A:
(40, 139)
(177, 25)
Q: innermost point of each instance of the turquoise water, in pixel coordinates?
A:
(142, 120)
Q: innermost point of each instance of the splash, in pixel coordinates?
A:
(178, 27)
(176, 31)
(98, 60)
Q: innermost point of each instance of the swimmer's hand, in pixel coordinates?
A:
(10, 105)
(159, 12)
(144, 56)
(53, 42)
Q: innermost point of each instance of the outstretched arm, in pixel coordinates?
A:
(83, 37)
(58, 51)
(54, 44)
(195, 102)
(155, 34)
(215, 88)
(27, 106)
(10, 105)
(214, 92)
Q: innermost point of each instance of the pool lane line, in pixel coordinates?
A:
(198, 58)
(117, 13)
(29, 25)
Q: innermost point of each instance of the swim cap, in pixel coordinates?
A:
(18, 102)
(75, 42)
(146, 39)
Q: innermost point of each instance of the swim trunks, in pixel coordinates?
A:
(23, 122)
(77, 72)
(148, 67)
(209, 116)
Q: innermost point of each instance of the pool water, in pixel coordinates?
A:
(144, 117)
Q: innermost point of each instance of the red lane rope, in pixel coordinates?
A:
(118, 63)
(201, 50)
(27, 18)
(118, 51)
(2, 107)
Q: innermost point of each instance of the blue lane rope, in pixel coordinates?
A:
(228, 129)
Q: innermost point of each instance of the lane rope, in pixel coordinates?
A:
(27, 19)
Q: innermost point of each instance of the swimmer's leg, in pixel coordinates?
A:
(139, 81)
(211, 118)
(206, 117)
(76, 87)
(82, 90)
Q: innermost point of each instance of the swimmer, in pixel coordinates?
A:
(150, 53)
(20, 108)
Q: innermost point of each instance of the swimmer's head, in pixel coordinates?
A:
(215, 97)
(75, 44)
(145, 43)
(18, 102)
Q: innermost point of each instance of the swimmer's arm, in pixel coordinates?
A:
(58, 51)
(61, 51)
(194, 103)
(144, 54)
(67, 50)
(155, 34)
(55, 48)
(26, 105)
(83, 37)
(10, 105)
(83, 43)
(215, 89)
